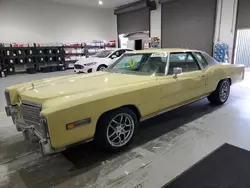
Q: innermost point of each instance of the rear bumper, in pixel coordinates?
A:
(30, 133)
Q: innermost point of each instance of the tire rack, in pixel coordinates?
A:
(2, 65)
(50, 58)
(32, 59)
(41, 58)
(17, 59)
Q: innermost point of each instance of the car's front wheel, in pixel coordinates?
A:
(116, 129)
(221, 94)
(102, 68)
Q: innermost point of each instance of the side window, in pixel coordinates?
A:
(119, 53)
(201, 59)
(186, 61)
(129, 62)
(209, 59)
(154, 65)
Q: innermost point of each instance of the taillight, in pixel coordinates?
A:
(7, 97)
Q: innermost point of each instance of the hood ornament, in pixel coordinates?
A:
(33, 86)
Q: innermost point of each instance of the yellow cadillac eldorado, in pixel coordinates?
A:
(106, 107)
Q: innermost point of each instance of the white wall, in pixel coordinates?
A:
(31, 21)
(227, 27)
(155, 22)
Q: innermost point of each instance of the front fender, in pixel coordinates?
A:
(60, 113)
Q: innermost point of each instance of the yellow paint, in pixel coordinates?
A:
(72, 98)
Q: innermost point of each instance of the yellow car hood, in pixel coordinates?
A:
(90, 84)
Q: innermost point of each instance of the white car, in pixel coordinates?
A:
(100, 61)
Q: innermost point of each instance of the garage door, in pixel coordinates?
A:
(243, 19)
(242, 51)
(135, 21)
(189, 24)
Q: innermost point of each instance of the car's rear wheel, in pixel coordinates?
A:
(102, 68)
(221, 94)
(116, 129)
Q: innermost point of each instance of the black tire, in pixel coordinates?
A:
(102, 67)
(215, 97)
(61, 68)
(103, 129)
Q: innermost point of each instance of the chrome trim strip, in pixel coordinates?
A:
(29, 122)
(39, 135)
(31, 104)
(178, 106)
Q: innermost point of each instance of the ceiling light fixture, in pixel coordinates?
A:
(100, 2)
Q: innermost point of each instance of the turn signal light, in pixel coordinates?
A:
(70, 126)
(83, 122)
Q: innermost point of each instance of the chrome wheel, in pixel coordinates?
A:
(102, 68)
(120, 130)
(224, 91)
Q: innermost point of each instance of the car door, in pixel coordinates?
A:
(186, 87)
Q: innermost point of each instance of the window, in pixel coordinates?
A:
(129, 62)
(209, 59)
(201, 59)
(119, 53)
(141, 64)
(185, 61)
(154, 65)
(103, 54)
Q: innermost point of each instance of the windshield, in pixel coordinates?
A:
(141, 64)
(102, 54)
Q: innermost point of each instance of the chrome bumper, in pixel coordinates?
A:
(8, 110)
(31, 134)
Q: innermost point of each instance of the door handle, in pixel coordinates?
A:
(203, 76)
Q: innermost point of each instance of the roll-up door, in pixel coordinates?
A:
(243, 19)
(134, 21)
(189, 24)
(242, 51)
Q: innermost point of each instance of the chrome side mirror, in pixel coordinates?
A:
(177, 71)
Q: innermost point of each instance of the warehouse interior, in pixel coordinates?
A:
(42, 39)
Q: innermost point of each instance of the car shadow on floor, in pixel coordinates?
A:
(87, 156)
(87, 160)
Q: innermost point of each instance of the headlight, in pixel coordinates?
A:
(89, 64)
(7, 97)
(44, 127)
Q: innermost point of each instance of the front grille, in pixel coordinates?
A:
(31, 115)
(79, 66)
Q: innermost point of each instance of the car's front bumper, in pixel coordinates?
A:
(84, 70)
(30, 133)
(8, 110)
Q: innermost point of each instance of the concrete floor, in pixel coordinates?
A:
(165, 146)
